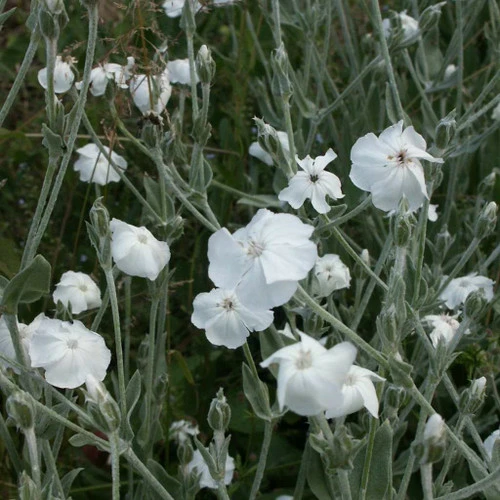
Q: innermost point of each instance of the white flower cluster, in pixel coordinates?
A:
(255, 269)
(68, 352)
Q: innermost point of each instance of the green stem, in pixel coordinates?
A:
(368, 459)
(192, 72)
(345, 487)
(31, 442)
(301, 477)
(118, 341)
(50, 96)
(21, 74)
(115, 464)
(426, 477)
(250, 361)
(478, 487)
(350, 334)
(261, 467)
(344, 218)
(387, 58)
(52, 466)
(460, 61)
(292, 163)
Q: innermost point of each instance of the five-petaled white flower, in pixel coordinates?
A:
(225, 319)
(331, 274)
(136, 251)
(150, 93)
(179, 72)
(68, 352)
(63, 76)
(257, 151)
(267, 258)
(199, 465)
(358, 391)
(459, 288)
(180, 430)
(388, 166)
(310, 377)
(445, 327)
(313, 183)
(102, 74)
(79, 290)
(94, 167)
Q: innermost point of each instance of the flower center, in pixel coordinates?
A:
(304, 360)
(142, 239)
(255, 249)
(227, 304)
(313, 178)
(83, 288)
(72, 343)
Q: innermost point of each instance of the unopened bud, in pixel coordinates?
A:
(475, 304)
(20, 409)
(107, 406)
(430, 16)
(160, 387)
(387, 328)
(472, 398)
(205, 65)
(281, 84)
(445, 130)
(188, 23)
(487, 220)
(219, 414)
(402, 225)
(100, 233)
(152, 133)
(28, 490)
(444, 241)
(434, 440)
(400, 371)
(53, 6)
(185, 452)
(49, 25)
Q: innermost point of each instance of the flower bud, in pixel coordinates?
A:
(400, 372)
(49, 25)
(488, 182)
(387, 328)
(20, 409)
(487, 220)
(53, 6)
(108, 408)
(281, 84)
(472, 398)
(205, 65)
(402, 227)
(475, 304)
(160, 388)
(445, 130)
(219, 414)
(188, 23)
(185, 452)
(430, 16)
(434, 440)
(28, 490)
(394, 398)
(100, 233)
(152, 133)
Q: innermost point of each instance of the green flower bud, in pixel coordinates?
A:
(185, 452)
(219, 414)
(20, 409)
(152, 133)
(100, 233)
(445, 130)
(188, 23)
(205, 65)
(281, 84)
(107, 406)
(387, 327)
(433, 445)
(49, 25)
(402, 225)
(430, 16)
(472, 398)
(28, 490)
(475, 304)
(487, 220)
(400, 371)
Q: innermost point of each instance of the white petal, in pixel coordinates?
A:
(257, 151)
(228, 331)
(299, 189)
(391, 136)
(318, 200)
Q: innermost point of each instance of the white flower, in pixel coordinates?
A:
(136, 251)
(173, 8)
(444, 326)
(358, 391)
(267, 258)
(68, 352)
(63, 76)
(408, 25)
(310, 377)
(495, 115)
(489, 443)
(94, 167)
(313, 183)
(225, 319)
(449, 71)
(100, 76)
(257, 151)
(180, 431)
(434, 428)
(179, 72)
(199, 465)
(331, 274)
(150, 93)
(388, 166)
(7, 346)
(79, 290)
(432, 214)
(459, 288)
(478, 387)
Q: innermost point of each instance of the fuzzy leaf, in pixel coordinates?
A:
(257, 394)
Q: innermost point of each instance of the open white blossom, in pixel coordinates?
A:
(310, 377)
(459, 288)
(102, 74)
(313, 183)
(490, 441)
(331, 274)
(7, 346)
(68, 352)
(79, 290)
(179, 72)
(225, 319)
(408, 25)
(180, 430)
(258, 152)
(136, 251)
(173, 8)
(389, 167)
(445, 327)
(94, 167)
(63, 76)
(150, 93)
(199, 465)
(267, 258)
(358, 391)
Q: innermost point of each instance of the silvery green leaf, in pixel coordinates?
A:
(257, 394)
(261, 201)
